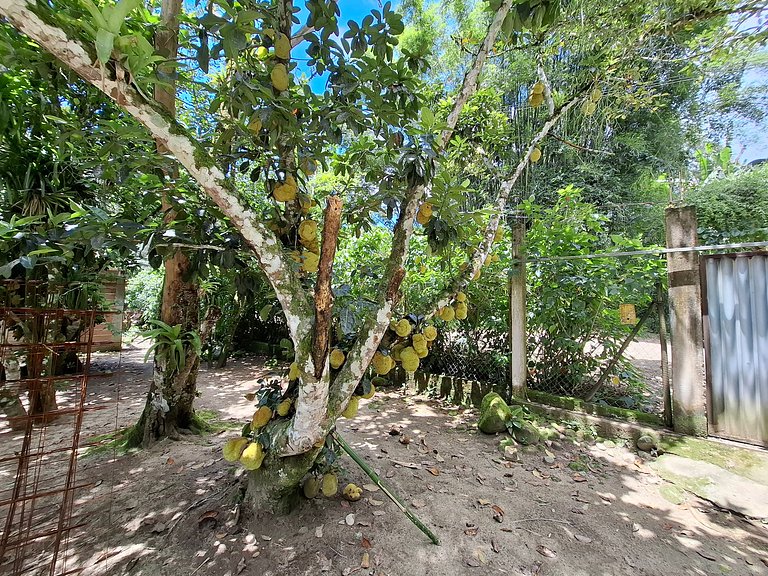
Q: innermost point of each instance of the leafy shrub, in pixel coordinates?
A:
(142, 296)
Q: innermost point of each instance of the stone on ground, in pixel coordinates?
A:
(494, 414)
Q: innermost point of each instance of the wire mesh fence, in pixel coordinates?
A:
(46, 340)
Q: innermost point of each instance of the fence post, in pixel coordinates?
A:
(689, 405)
(518, 365)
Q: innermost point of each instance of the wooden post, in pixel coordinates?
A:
(689, 405)
(662, 307)
(518, 365)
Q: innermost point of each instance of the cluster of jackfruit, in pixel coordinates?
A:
(250, 454)
(457, 310)
(410, 348)
(310, 255)
(536, 97)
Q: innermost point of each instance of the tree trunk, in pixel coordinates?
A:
(172, 392)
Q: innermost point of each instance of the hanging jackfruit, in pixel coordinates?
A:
(424, 214)
(410, 359)
(310, 262)
(279, 77)
(261, 417)
(403, 328)
(337, 358)
(461, 311)
(371, 392)
(351, 410)
(382, 364)
(308, 230)
(447, 313)
(283, 47)
(293, 371)
(284, 407)
(286, 191)
(538, 88)
(430, 333)
(234, 448)
(535, 155)
(252, 456)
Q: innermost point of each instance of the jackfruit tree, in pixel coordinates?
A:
(259, 134)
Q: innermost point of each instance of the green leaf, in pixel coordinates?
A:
(105, 42)
(116, 15)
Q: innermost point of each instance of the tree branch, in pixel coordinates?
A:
(469, 85)
(183, 147)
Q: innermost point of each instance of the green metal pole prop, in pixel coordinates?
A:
(375, 477)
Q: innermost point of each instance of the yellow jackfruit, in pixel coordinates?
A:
(262, 52)
(261, 417)
(403, 328)
(252, 456)
(410, 359)
(293, 371)
(286, 191)
(536, 100)
(595, 95)
(588, 108)
(461, 311)
(395, 352)
(371, 392)
(538, 88)
(306, 203)
(447, 313)
(234, 448)
(329, 485)
(421, 351)
(255, 125)
(351, 410)
(393, 325)
(283, 47)
(477, 274)
(535, 155)
(279, 77)
(419, 340)
(495, 258)
(310, 261)
(284, 407)
(424, 214)
(430, 333)
(499, 234)
(461, 297)
(311, 487)
(308, 230)
(352, 492)
(381, 364)
(337, 358)
(487, 260)
(295, 255)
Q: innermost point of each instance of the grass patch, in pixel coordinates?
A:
(210, 422)
(117, 442)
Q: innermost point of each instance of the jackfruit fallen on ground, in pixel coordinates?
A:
(382, 364)
(293, 371)
(370, 392)
(351, 410)
(461, 297)
(461, 311)
(403, 328)
(329, 485)
(308, 230)
(538, 88)
(279, 77)
(283, 47)
(352, 492)
(284, 407)
(535, 155)
(419, 340)
(337, 358)
(311, 487)
(234, 448)
(261, 417)
(447, 313)
(536, 100)
(286, 191)
(310, 262)
(430, 333)
(252, 456)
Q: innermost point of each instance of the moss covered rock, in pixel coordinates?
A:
(494, 414)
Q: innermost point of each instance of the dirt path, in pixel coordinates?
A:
(171, 510)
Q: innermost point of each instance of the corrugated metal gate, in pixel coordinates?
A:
(735, 303)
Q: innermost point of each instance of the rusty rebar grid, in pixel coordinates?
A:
(46, 340)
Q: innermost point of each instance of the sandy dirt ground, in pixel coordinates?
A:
(569, 508)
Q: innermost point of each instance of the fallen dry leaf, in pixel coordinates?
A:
(251, 396)
(582, 539)
(498, 513)
(370, 488)
(578, 478)
(544, 551)
(433, 471)
(366, 561)
(495, 546)
(418, 503)
(365, 543)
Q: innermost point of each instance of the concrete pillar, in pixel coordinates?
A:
(689, 400)
(518, 363)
